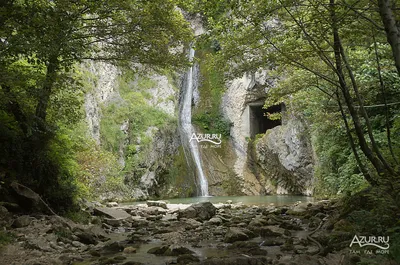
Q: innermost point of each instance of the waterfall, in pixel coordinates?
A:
(186, 128)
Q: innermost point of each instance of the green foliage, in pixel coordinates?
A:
(212, 124)
(81, 217)
(212, 86)
(178, 179)
(294, 41)
(63, 233)
(41, 88)
(5, 238)
(140, 119)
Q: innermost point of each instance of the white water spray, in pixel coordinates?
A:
(186, 123)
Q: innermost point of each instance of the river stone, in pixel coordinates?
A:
(177, 250)
(158, 250)
(215, 221)
(22, 221)
(114, 247)
(299, 209)
(113, 222)
(268, 231)
(157, 204)
(202, 211)
(238, 261)
(193, 223)
(112, 204)
(86, 237)
(129, 250)
(112, 213)
(187, 259)
(235, 234)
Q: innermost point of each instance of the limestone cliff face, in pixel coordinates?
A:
(285, 157)
(155, 147)
(102, 78)
(281, 161)
(240, 92)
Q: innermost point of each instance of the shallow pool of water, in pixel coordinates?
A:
(277, 200)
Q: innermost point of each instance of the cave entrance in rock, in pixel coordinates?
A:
(259, 122)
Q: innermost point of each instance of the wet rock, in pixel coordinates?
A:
(238, 261)
(215, 221)
(288, 245)
(114, 247)
(69, 259)
(112, 204)
(94, 253)
(113, 222)
(133, 263)
(244, 244)
(273, 242)
(129, 250)
(189, 213)
(235, 234)
(266, 231)
(111, 213)
(257, 222)
(157, 204)
(290, 226)
(177, 250)
(299, 209)
(158, 250)
(314, 222)
(4, 214)
(169, 217)
(86, 237)
(138, 222)
(22, 221)
(192, 223)
(154, 218)
(202, 211)
(187, 259)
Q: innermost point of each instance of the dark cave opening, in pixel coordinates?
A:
(259, 121)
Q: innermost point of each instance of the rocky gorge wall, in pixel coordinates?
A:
(135, 117)
(278, 161)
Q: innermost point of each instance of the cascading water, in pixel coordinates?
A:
(186, 128)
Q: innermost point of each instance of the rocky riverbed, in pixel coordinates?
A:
(203, 233)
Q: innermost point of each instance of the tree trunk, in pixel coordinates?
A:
(361, 166)
(41, 108)
(391, 29)
(347, 97)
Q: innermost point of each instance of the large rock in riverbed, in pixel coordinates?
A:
(111, 213)
(235, 234)
(202, 211)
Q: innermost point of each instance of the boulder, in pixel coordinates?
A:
(112, 204)
(187, 259)
(189, 213)
(158, 250)
(235, 234)
(129, 250)
(215, 221)
(22, 221)
(86, 237)
(111, 213)
(113, 222)
(202, 211)
(157, 204)
(30, 200)
(177, 251)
